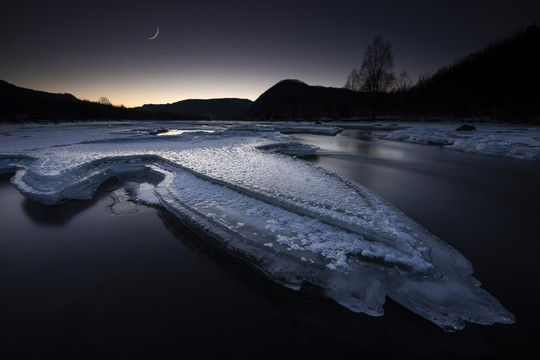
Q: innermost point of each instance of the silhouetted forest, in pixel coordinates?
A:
(498, 83)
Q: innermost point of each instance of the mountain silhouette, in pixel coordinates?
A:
(219, 109)
(294, 99)
(21, 104)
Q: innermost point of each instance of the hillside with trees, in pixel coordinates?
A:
(500, 81)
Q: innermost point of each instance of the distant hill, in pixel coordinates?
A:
(20, 104)
(501, 81)
(219, 109)
(293, 99)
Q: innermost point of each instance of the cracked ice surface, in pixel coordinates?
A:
(299, 224)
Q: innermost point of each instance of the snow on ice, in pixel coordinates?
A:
(238, 186)
(513, 142)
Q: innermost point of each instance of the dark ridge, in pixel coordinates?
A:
(20, 104)
(219, 109)
(294, 100)
(500, 81)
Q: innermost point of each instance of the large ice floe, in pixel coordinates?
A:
(243, 188)
(514, 142)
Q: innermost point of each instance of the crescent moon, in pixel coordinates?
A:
(155, 35)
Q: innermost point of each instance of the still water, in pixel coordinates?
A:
(109, 279)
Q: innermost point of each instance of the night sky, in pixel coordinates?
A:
(209, 49)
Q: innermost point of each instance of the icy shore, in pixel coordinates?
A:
(241, 187)
(513, 142)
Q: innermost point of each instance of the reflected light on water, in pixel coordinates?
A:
(184, 131)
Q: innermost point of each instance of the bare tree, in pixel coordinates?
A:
(354, 81)
(376, 73)
(403, 81)
(104, 101)
(424, 78)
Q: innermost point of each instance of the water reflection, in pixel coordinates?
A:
(355, 142)
(358, 134)
(60, 215)
(56, 215)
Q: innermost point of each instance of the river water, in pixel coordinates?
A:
(110, 279)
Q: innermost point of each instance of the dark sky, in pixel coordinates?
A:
(208, 49)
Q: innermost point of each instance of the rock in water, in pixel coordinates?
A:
(466, 127)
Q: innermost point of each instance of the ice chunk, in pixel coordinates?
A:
(301, 225)
(122, 203)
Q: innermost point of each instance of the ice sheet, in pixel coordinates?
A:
(299, 224)
(514, 142)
